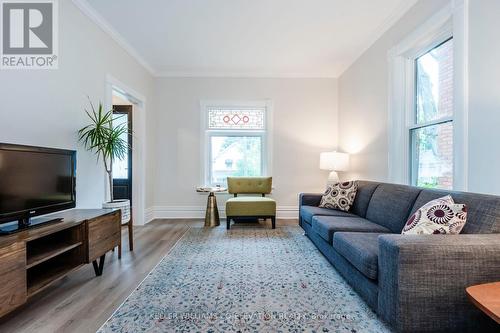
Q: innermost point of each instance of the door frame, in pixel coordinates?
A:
(138, 144)
(130, 125)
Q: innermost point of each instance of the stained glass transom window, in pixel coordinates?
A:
(247, 119)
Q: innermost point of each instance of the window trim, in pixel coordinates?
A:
(206, 134)
(451, 21)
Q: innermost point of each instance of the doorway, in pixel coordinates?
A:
(119, 94)
(122, 168)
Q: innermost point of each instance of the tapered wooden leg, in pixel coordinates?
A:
(273, 221)
(228, 222)
(130, 235)
(120, 251)
(99, 267)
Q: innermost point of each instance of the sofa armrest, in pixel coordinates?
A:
(422, 280)
(309, 199)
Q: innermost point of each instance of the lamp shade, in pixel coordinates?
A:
(334, 161)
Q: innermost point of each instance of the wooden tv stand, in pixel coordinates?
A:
(33, 259)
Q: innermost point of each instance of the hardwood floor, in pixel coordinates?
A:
(82, 302)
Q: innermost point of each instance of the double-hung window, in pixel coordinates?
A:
(431, 124)
(235, 141)
(428, 107)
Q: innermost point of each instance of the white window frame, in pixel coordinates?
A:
(451, 21)
(206, 134)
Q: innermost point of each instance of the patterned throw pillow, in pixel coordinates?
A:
(339, 196)
(440, 216)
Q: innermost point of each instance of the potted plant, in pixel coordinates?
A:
(105, 140)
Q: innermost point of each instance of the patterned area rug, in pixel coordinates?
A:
(244, 280)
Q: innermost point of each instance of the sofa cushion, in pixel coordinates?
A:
(307, 213)
(363, 196)
(339, 196)
(390, 205)
(483, 211)
(250, 206)
(360, 249)
(326, 226)
(439, 216)
(365, 287)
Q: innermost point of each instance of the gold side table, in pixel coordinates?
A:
(212, 213)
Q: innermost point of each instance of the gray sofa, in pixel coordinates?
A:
(415, 283)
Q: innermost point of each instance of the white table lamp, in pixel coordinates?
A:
(334, 161)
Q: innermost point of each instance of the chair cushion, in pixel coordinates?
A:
(390, 205)
(250, 206)
(307, 213)
(326, 226)
(360, 249)
(249, 185)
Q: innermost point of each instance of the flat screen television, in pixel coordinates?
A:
(34, 181)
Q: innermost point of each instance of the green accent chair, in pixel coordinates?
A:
(250, 206)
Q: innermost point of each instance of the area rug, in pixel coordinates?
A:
(244, 280)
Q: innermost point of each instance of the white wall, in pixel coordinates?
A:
(484, 96)
(363, 98)
(304, 121)
(363, 95)
(45, 108)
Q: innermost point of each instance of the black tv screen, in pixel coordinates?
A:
(35, 181)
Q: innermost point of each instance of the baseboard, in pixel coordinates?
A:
(198, 212)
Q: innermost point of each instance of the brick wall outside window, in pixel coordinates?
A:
(445, 105)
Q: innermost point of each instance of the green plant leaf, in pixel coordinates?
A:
(102, 138)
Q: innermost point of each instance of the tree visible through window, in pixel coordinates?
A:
(236, 143)
(432, 129)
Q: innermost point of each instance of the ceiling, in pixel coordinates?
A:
(245, 38)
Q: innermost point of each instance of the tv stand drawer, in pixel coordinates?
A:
(104, 234)
(13, 291)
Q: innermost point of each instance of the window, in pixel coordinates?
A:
(235, 141)
(431, 128)
(428, 105)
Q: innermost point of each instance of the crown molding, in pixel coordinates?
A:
(101, 22)
(389, 22)
(245, 74)
(98, 19)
